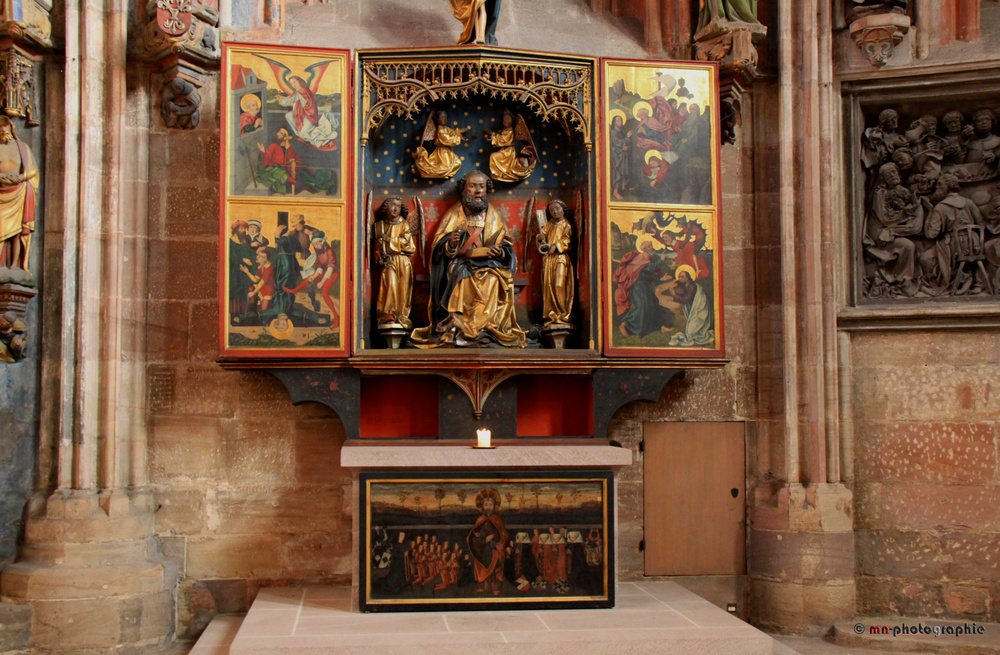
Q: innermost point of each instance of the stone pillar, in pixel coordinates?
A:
(89, 566)
(801, 540)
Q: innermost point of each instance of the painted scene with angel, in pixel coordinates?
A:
(285, 119)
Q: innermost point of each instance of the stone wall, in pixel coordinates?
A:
(927, 466)
(19, 392)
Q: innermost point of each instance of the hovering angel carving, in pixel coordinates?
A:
(506, 164)
(443, 163)
(310, 124)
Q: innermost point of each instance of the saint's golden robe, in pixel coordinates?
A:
(504, 165)
(465, 11)
(442, 163)
(557, 274)
(472, 297)
(394, 246)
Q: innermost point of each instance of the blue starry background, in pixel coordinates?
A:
(562, 170)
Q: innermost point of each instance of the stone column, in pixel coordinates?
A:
(89, 564)
(801, 540)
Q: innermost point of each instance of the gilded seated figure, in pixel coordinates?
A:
(471, 275)
(506, 164)
(443, 163)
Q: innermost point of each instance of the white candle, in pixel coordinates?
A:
(484, 438)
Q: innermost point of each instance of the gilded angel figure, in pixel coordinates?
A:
(506, 163)
(443, 163)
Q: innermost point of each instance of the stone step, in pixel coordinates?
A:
(920, 634)
(649, 617)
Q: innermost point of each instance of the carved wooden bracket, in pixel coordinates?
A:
(477, 384)
(181, 41)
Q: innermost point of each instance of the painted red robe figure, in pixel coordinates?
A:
(486, 542)
(321, 268)
(263, 280)
(281, 154)
(689, 244)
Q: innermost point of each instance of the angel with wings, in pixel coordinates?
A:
(443, 163)
(310, 124)
(393, 242)
(506, 164)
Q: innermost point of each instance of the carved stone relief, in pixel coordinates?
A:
(877, 26)
(930, 226)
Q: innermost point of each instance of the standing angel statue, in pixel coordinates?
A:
(443, 163)
(554, 240)
(506, 164)
(391, 237)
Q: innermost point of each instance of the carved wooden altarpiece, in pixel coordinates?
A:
(378, 161)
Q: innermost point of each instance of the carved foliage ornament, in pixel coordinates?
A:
(555, 92)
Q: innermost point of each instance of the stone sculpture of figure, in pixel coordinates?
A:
(557, 270)
(507, 164)
(877, 143)
(983, 144)
(896, 215)
(479, 20)
(472, 266)
(697, 309)
(443, 163)
(394, 245)
(487, 540)
(732, 10)
(18, 190)
(955, 139)
(956, 225)
(179, 103)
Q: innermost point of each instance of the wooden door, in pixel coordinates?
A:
(693, 497)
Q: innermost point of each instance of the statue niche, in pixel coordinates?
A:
(931, 214)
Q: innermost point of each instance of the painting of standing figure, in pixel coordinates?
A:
(504, 540)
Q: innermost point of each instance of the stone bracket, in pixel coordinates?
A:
(181, 41)
(733, 45)
(14, 299)
(878, 34)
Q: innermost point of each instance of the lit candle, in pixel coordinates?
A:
(484, 438)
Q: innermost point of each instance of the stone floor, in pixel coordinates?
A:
(650, 617)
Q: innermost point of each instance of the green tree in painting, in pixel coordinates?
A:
(462, 495)
(439, 494)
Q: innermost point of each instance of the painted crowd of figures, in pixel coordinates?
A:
(931, 206)
(542, 562)
(283, 283)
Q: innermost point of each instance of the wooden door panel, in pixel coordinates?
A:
(693, 523)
